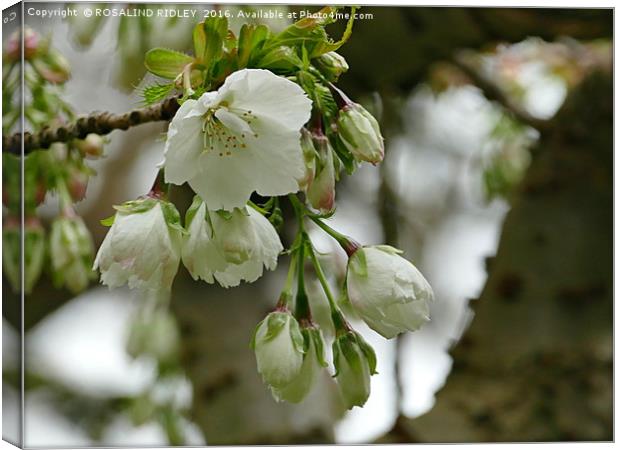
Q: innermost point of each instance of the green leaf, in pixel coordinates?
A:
(108, 222)
(166, 63)
(369, 352)
(344, 155)
(136, 206)
(226, 215)
(192, 210)
(314, 334)
(275, 323)
(388, 249)
(324, 101)
(281, 59)
(215, 30)
(251, 40)
(296, 336)
(172, 217)
(156, 92)
(310, 33)
(329, 45)
(357, 263)
(200, 41)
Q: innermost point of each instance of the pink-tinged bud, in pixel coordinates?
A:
(321, 193)
(11, 251)
(310, 156)
(40, 193)
(34, 251)
(32, 43)
(53, 67)
(91, 146)
(78, 182)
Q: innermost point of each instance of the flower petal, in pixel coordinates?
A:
(184, 143)
(269, 95)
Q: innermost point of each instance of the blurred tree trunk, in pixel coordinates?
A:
(536, 363)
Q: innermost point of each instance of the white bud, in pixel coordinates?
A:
(143, 246)
(279, 347)
(355, 362)
(321, 193)
(71, 253)
(360, 133)
(388, 292)
(332, 65)
(312, 364)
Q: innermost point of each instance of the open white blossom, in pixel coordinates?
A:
(229, 247)
(245, 137)
(388, 292)
(140, 249)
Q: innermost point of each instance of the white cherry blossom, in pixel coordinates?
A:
(245, 137)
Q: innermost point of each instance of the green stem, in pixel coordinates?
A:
(340, 323)
(287, 292)
(263, 211)
(348, 244)
(302, 307)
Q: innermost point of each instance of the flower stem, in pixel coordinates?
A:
(287, 292)
(340, 323)
(349, 245)
(263, 211)
(302, 307)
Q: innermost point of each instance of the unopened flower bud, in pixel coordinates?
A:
(71, 253)
(143, 246)
(154, 334)
(313, 362)
(360, 133)
(321, 193)
(388, 292)
(34, 252)
(331, 65)
(355, 361)
(52, 66)
(11, 251)
(310, 156)
(78, 183)
(91, 146)
(31, 44)
(279, 348)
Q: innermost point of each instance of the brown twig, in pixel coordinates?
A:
(97, 122)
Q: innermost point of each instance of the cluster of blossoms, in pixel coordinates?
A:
(64, 249)
(271, 123)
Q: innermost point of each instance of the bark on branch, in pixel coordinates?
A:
(97, 122)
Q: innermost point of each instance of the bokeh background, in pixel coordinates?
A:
(497, 184)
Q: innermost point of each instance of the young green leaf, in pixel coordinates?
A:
(166, 63)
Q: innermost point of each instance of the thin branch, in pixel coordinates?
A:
(493, 92)
(97, 122)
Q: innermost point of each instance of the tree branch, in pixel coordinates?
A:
(97, 122)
